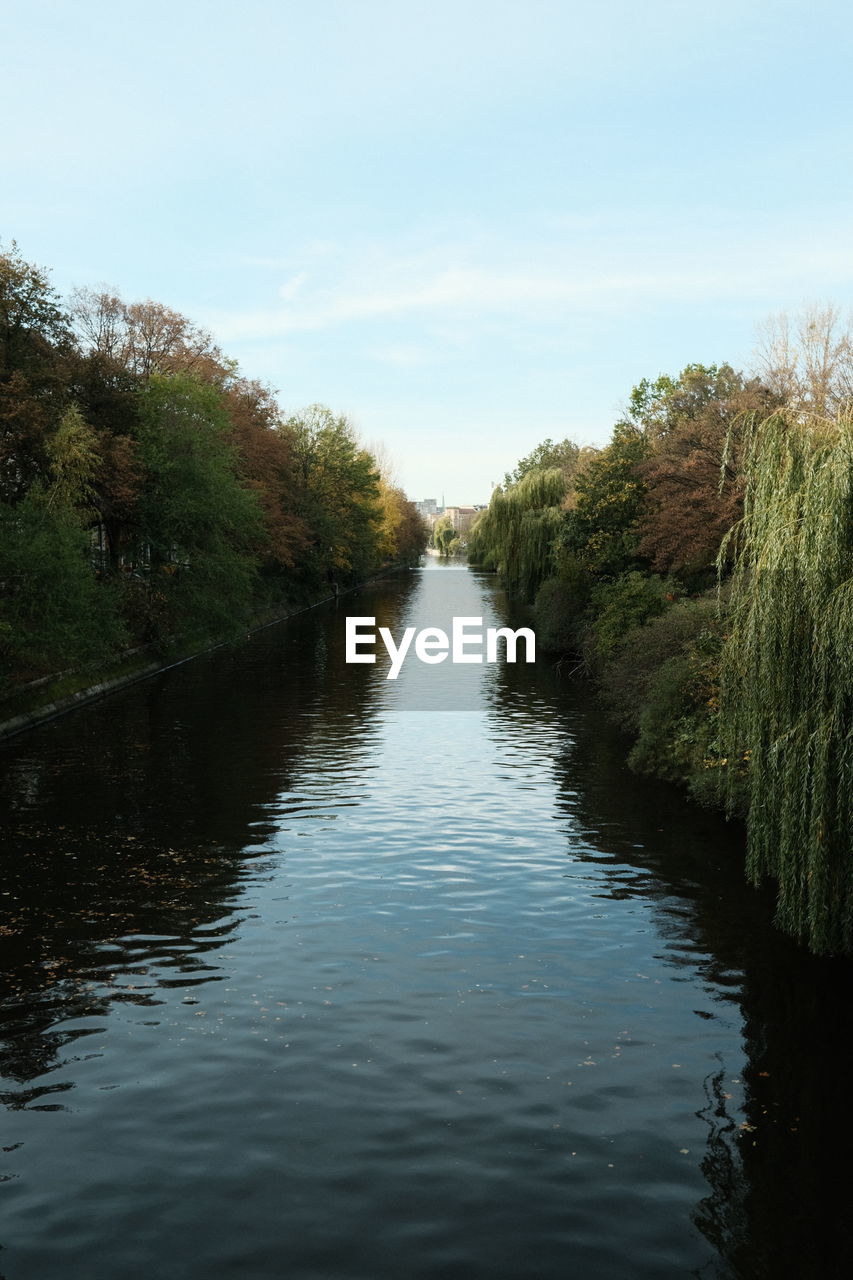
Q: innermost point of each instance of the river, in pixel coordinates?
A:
(313, 974)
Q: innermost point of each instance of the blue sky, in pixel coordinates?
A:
(466, 225)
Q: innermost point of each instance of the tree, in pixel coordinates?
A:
(54, 614)
(339, 496)
(658, 407)
(445, 538)
(146, 337)
(517, 534)
(411, 533)
(33, 325)
(200, 525)
(692, 476)
(807, 363)
(404, 533)
(268, 462)
(108, 396)
(547, 456)
(35, 344)
(75, 463)
(127, 418)
(602, 529)
(786, 694)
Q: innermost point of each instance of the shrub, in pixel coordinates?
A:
(627, 678)
(560, 606)
(625, 603)
(663, 685)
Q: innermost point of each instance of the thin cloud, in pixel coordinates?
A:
(450, 292)
(404, 357)
(291, 288)
(581, 275)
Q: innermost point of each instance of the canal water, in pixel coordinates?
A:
(316, 975)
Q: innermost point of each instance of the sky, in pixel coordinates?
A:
(466, 225)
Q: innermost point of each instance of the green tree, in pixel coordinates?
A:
(547, 456)
(200, 525)
(786, 694)
(656, 407)
(75, 462)
(624, 603)
(602, 528)
(339, 497)
(53, 612)
(445, 538)
(517, 534)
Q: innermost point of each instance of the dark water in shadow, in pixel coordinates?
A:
(304, 980)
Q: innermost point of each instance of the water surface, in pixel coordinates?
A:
(312, 974)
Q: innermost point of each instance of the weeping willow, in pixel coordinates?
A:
(516, 534)
(787, 672)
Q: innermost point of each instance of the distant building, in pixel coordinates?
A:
(461, 518)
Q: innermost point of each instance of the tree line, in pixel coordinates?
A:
(150, 493)
(700, 568)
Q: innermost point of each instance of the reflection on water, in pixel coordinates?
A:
(304, 978)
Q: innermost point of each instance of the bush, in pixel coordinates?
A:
(560, 606)
(618, 607)
(627, 679)
(670, 723)
(662, 684)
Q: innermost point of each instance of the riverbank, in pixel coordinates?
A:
(55, 695)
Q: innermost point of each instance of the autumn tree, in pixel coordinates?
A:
(403, 533)
(108, 396)
(411, 532)
(692, 475)
(339, 496)
(146, 337)
(138, 466)
(35, 342)
(268, 463)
